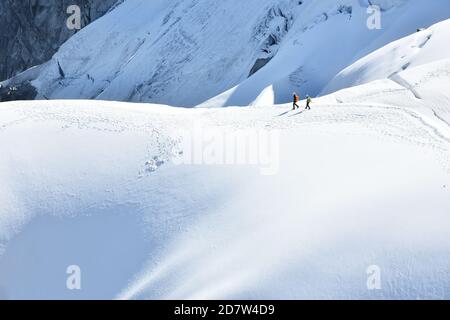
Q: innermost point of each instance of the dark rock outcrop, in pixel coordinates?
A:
(24, 91)
(31, 31)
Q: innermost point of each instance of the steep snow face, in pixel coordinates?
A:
(418, 49)
(362, 183)
(164, 51)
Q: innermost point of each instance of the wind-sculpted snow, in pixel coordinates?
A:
(164, 51)
(363, 180)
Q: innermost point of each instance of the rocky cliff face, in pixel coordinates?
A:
(31, 31)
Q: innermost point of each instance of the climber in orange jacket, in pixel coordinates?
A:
(296, 99)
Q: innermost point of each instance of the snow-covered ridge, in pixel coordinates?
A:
(420, 48)
(184, 52)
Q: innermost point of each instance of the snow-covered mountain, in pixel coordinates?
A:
(185, 52)
(152, 201)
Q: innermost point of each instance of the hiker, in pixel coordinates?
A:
(296, 99)
(308, 102)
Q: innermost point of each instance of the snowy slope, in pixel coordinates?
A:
(420, 48)
(363, 179)
(424, 89)
(165, 51)
(312, 55)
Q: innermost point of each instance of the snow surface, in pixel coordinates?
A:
(363, 179)
(186, 52)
